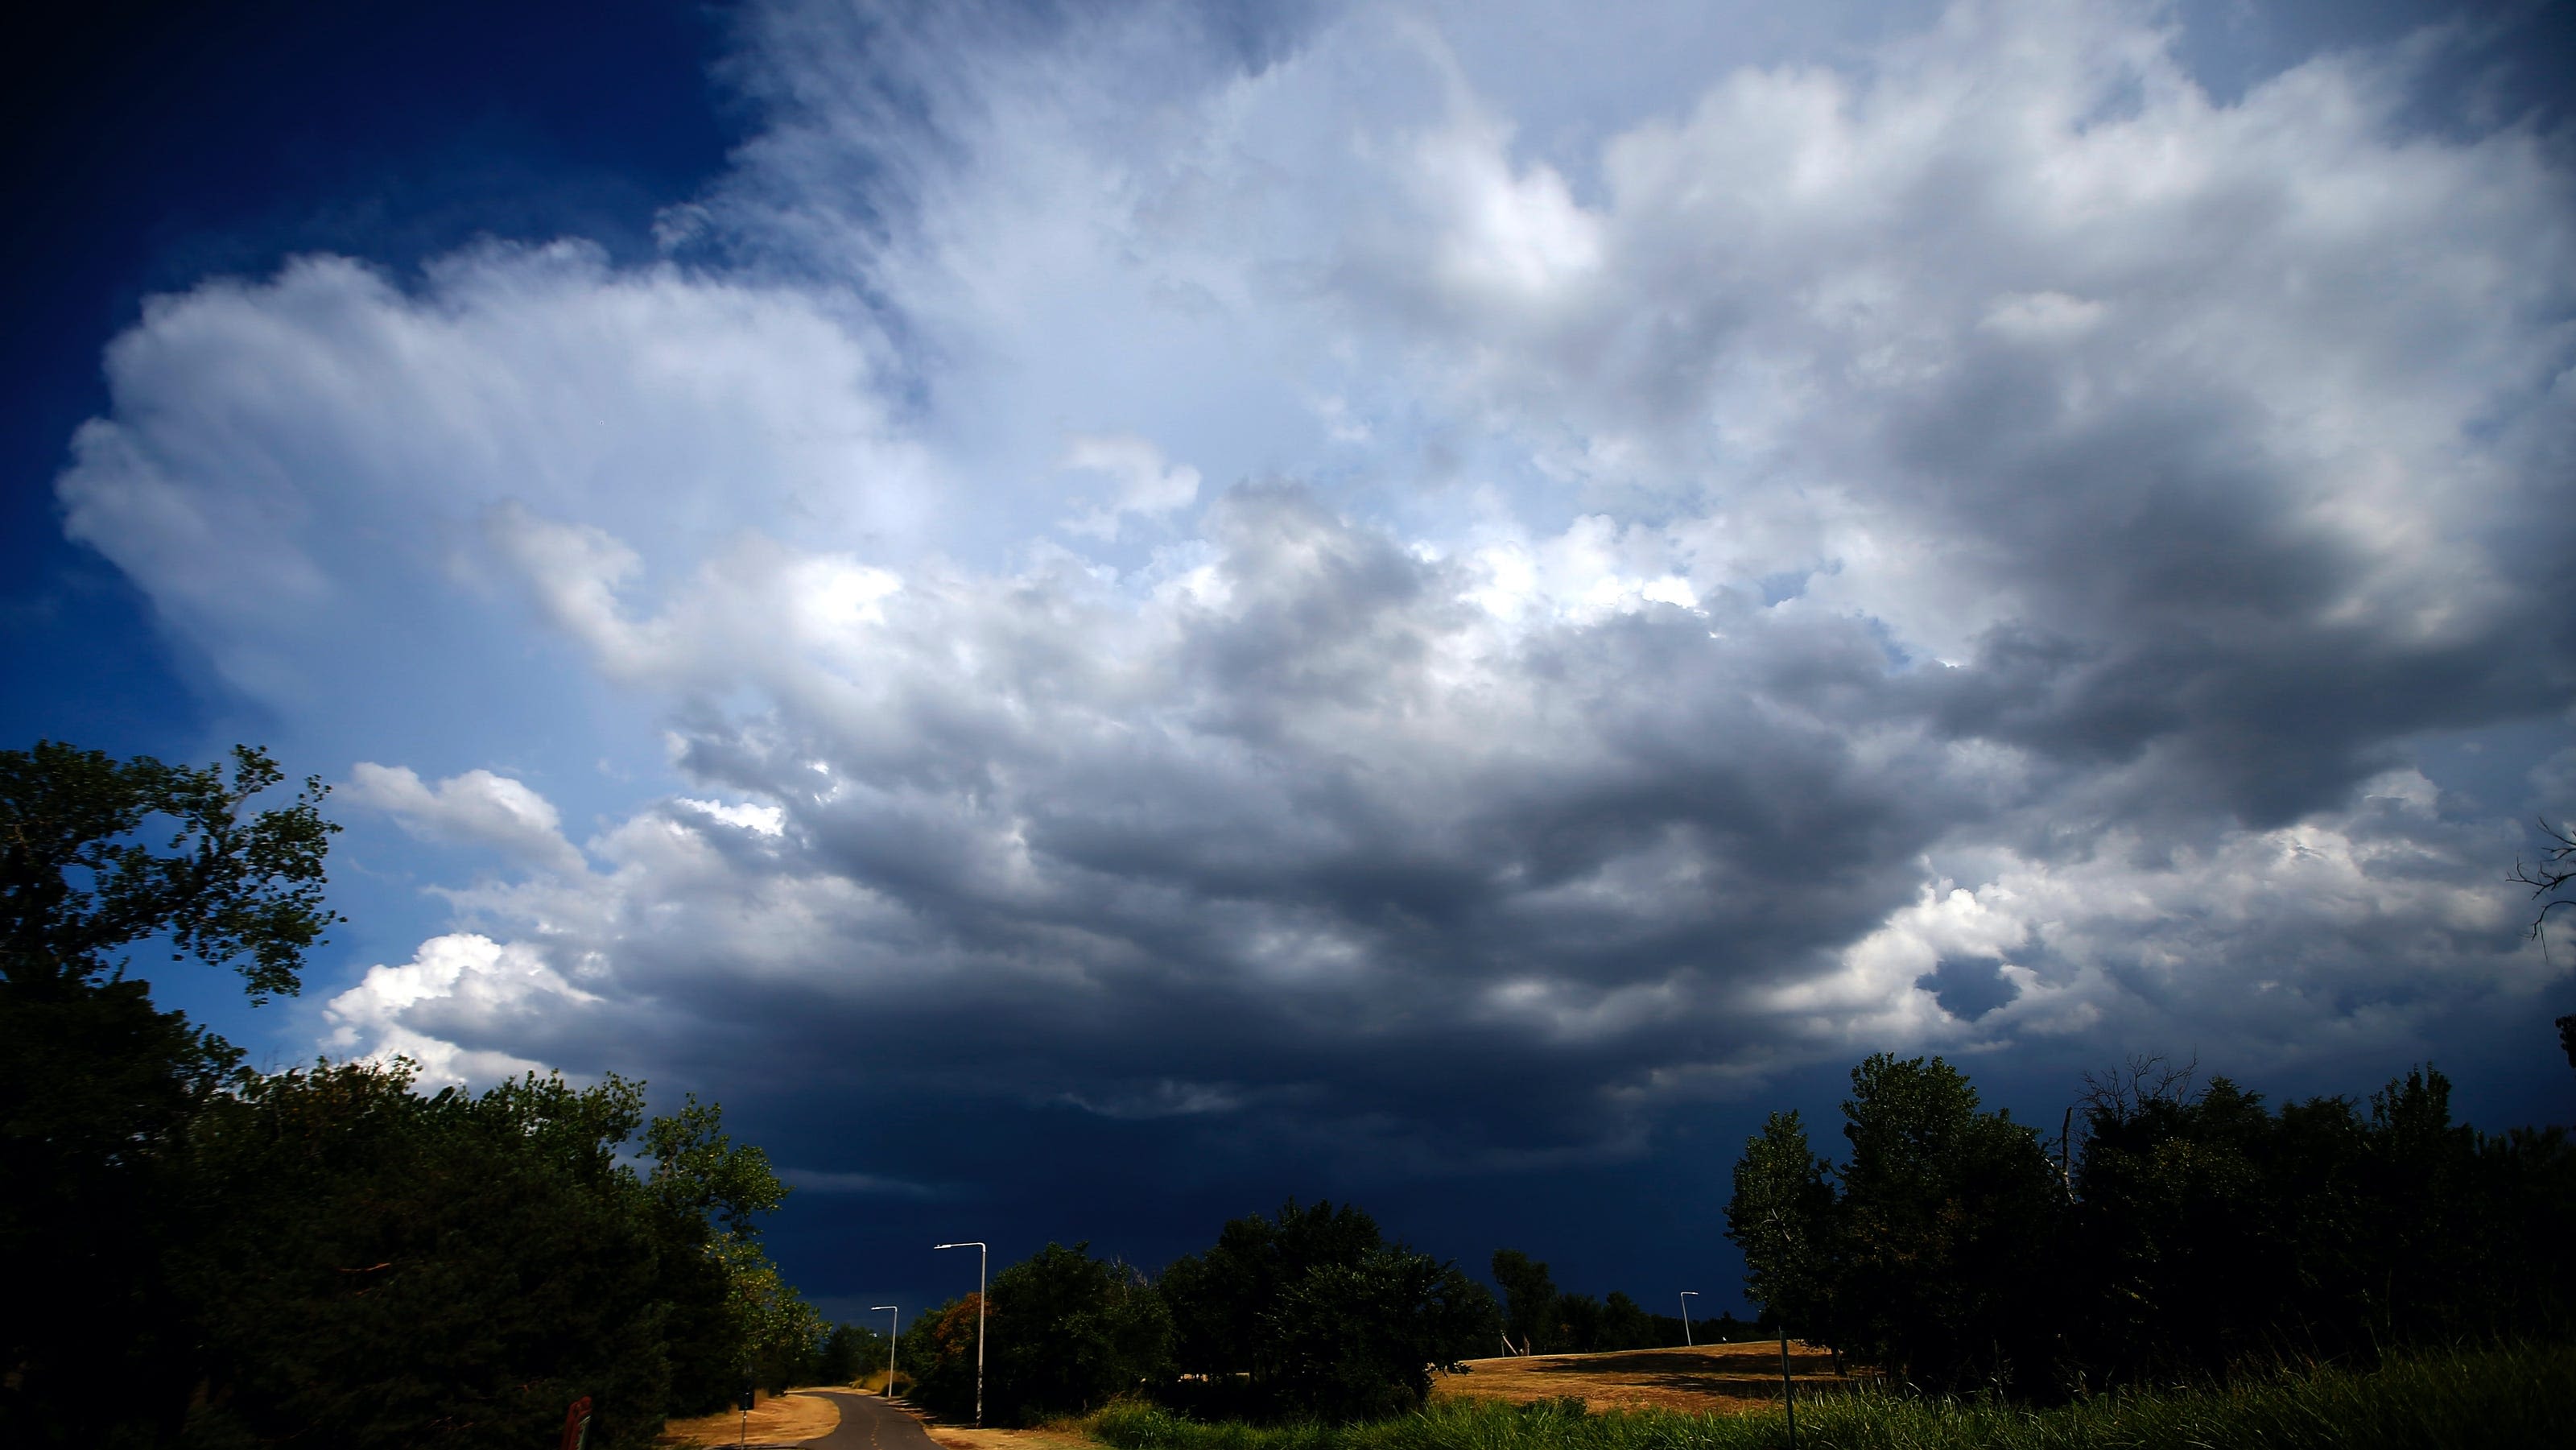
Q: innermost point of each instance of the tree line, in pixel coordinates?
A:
(1538, 1318)
(1310, 1313)
(207, 1256)
(2175, 1229)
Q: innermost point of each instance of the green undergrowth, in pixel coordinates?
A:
(2503, 1397)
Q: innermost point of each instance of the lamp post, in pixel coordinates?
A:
(1687, 1296)
(983, 1258)
(893, 1333)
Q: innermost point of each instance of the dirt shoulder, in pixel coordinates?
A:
(777, 1420)
(1723, 1378)
(967, 1437)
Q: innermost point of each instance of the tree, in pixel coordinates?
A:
(1077, 1331)
(386, 1269)
(324, 1255)
(1529, 1299)
(1625, 1324)
(2177, 1227)
(1066, 1333)
(98, 1086)
(1359, 1340)
(937, 1354)
(81, 881)
(2553, 885)
(849, 1353)
(1218, 1297)
(1313, 1313)
(1782, 1216)
(729, 1311)
(1946, 1227)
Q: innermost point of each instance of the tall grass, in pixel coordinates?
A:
(2505, 1397)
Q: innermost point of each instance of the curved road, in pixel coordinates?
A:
(869, 1423)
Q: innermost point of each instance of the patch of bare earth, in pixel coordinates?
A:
(1720, 1378)
(967, 1437)
(777, 1420)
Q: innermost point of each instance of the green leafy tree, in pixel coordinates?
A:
(849, 1353)
(323, 1256)
(385, 1269)
(1313, 1313)
(937, 1355)
(1070, 1332)
(1218, 1297)
(1625, 1324)
(1783, 1216)
(230, 887)
(1358, 1340)
(97, 1085)
(729, 1313)
(1947, 1229)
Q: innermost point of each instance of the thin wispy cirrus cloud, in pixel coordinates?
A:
(1425, 600)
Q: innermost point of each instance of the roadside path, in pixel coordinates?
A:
(869, 1423)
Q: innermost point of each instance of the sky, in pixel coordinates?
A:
(1098, 615)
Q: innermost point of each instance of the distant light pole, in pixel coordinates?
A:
(1687, 1296)
(892, 1334)
(983, 1257)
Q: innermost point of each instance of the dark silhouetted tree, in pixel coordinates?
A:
(1529, 1300)
(1312, 1313)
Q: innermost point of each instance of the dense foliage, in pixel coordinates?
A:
(2195, 1231)
(1067, 1332)
(1308, 1314)
(848, 1354)
(323, 1256)
(1312, 1312)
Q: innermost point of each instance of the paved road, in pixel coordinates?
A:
(869, 1423)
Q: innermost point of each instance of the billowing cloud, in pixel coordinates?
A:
(477, 808)
(442, 1008)
(1971, 542)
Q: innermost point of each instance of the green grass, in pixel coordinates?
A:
(2506, 1397)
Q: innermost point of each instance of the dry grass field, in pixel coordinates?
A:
(1043, 1437)
(788, 1419)
(1726, 1377)
(1714, 1377)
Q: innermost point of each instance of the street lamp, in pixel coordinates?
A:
(983, 1257)
(1687, 1296)
(892, 1334)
